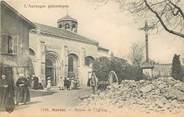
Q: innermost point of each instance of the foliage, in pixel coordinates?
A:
(103, 65)
(176, 68)
(137, 54)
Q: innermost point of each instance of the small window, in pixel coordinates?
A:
(73, 26)
(10, 44)
(70, 64)
(60, 26)
(67, 26)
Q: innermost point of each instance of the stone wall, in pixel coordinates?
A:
(12, 25)
(163, 70)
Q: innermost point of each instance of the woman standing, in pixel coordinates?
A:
(6, 94)
(22, 94)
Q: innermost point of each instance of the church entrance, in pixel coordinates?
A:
(50, 72)
(52, 68)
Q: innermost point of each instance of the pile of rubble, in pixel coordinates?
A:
(158, 95)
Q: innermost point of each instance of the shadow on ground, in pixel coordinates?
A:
(26, 105)
(39, 93)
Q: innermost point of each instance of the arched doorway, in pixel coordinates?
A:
(52, 67)
(72, 66)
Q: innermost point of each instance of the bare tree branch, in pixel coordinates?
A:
(177, 7)
(162, 22)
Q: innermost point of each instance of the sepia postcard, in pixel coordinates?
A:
(96, 58)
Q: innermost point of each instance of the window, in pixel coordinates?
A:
(67, 26)
(73, 27)
(60, 26)
(70, 64)
(10, 44)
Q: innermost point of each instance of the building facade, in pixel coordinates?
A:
(45, 51)
(14, 41)
(60, 52)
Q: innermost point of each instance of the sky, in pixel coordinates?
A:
(109, 25)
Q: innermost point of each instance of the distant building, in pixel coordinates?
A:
(14, 41)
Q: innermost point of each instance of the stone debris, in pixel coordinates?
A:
(158, 95)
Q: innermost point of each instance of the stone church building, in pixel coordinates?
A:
(60, 52)
(45, 51)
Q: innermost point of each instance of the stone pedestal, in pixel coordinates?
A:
(147, 70)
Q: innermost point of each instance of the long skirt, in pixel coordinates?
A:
(22, 95)
(6, 100)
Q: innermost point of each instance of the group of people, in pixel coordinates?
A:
(13, 94)
(70, 83)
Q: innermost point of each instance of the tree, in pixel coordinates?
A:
(103, 65)
(176, 68)
(137, 54)
(167, 13)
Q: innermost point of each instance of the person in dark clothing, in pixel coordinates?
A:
(22, 94)
(35, 83)
(67, 83)
(6, 94)
(29, 80)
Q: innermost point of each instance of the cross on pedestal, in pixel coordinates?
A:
(146, 28)
(147, 68)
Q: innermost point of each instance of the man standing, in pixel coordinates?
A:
(6, 94)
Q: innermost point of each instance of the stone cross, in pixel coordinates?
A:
(146, 28)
